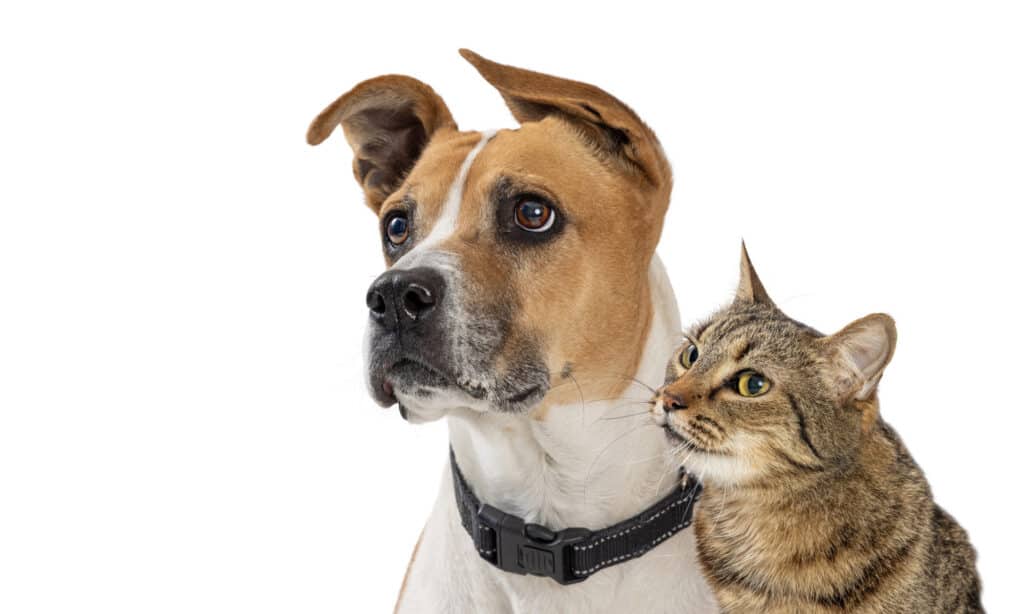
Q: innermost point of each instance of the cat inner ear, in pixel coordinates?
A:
(387, 121)
(750, 289)
(862, 350)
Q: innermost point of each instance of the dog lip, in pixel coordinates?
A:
(411, 374)
(383, 392)
(406, 364)
(404, 373)
(524, 400)
(521, 396)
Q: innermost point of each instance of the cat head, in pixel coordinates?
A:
(753, 393)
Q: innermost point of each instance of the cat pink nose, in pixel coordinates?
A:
(673, 402)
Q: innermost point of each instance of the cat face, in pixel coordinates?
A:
(753, 393)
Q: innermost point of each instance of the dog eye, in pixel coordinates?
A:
(534, 216)
(688, 356)
(397, 229)
(752, 384)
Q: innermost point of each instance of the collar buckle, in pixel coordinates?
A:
(525, 548)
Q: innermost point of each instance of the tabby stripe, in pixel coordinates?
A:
(743, 351)
(871, 577)
(795, 463)
(709, 422)
(723, 574)
(733, 324)
(703, 430)
(698, 330)
(840, 541)
(803, 425)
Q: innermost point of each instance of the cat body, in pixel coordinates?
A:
(812, 503)
(867, 538)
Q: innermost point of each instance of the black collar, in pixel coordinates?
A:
(570, 555)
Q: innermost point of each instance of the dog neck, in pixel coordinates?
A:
(576, 467)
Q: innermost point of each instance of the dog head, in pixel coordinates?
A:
(515, 258)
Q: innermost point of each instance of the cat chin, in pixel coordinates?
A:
(719, 469)
(725, 468)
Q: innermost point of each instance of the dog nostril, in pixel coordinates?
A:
(375, 301)
(417, 300)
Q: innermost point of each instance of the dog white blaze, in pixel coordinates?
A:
(428, 403)
(444, 226)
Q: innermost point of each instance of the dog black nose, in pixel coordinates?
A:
(404, 297)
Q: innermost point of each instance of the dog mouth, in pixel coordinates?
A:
(406, 374)
(416, 378)
(409, 373)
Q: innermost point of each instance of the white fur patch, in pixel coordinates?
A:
(444, 226)
(729, 469)
(572, 469)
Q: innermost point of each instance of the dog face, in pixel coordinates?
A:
(515, 258)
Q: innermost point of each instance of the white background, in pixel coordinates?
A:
(184, 426)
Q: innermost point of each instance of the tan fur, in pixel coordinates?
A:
(590, 311)
(585, 297)
(392, 95)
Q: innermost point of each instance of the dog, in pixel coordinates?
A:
(524, 303)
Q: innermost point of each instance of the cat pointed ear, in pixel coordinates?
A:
(604, 121)
(862, 350)
(750, 289)
(387, 121)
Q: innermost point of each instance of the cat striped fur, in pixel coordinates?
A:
(812, 502)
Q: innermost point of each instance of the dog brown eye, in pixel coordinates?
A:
(534, 216)
(398, 229)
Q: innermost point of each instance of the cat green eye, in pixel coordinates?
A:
(688, 356)
(752, 384)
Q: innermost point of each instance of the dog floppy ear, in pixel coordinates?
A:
(387, 121)
(605, 121)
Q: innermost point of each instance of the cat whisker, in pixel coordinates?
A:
(590, 469)
(641, 413)
(594, 378)
(645, 460)
(669, 469)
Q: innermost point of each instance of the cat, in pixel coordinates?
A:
(811, 503)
